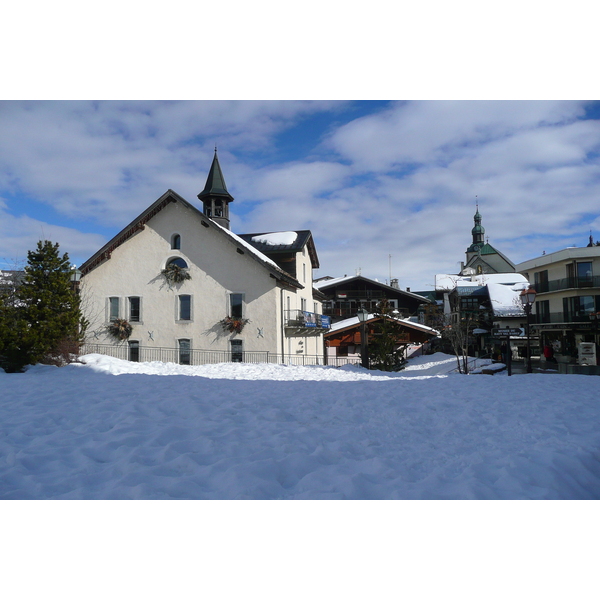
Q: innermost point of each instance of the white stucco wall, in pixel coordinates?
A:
(216, 268)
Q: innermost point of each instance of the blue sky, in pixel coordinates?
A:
(369, 178)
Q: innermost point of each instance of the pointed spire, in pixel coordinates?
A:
(215, 197)
(215, 183)
(478, 231)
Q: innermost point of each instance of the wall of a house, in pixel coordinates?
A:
(216, 270)
(311, 345)
(556, 265)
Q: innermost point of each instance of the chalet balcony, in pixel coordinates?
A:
(301, 322)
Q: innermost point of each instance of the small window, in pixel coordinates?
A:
(134, 351)
(185, 308)
(184, 352)
(236, 306)
(176, 242)
(237, 351)
(134, 309)
(303, 272)
(113, 308)
(178, 261)
(303, 304)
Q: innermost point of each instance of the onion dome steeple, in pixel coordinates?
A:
(215, 197)
(478, 233)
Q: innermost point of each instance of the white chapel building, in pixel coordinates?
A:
(177, 285)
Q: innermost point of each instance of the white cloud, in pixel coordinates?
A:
(423, 132)
(114, 158)
(400, 181)
(20, 234)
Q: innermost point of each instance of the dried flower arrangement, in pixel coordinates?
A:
(175, 274)
(233, 324)
(120, 329)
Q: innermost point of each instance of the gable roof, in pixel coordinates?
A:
(271, 243)
(167, 198)
(487, 250)
(353, 322)
(325, 284)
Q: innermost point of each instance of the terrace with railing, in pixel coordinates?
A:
(555, 285)
(565, 317)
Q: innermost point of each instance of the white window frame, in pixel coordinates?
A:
(178, 308)
(230, 304)
(130, 345)
(239, 343)
(129, 299)
(109, 306)
(179, 349)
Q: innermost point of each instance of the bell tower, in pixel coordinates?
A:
(478, 232)
(215, 197)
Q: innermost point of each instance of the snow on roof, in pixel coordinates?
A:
(250, 247)
(449, 282)
(347, 323)
(279, 238)
(505, 299)
(352, 321)
(332, 281)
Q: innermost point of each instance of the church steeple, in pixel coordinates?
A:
(215, 197)
(478, 231)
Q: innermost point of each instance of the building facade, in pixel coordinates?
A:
(567, 303)
(191, 291)
(345, 296)
(481, 256)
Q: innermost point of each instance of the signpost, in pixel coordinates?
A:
(509, 332)
(506, 334)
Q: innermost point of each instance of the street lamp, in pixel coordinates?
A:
(363, 317)
(527, 299)
(75, 277)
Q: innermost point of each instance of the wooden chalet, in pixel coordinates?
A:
(346, 295)
(344, 338)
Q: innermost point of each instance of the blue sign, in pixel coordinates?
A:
(310, 319)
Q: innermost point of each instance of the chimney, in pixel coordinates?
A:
(394, 284)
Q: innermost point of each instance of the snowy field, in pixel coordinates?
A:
(112, 429)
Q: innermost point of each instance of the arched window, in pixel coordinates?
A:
(177, 261)
(176, 242)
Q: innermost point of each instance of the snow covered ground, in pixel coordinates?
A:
(111, 429)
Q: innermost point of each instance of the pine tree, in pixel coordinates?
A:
(386, 347)
(46, 314)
